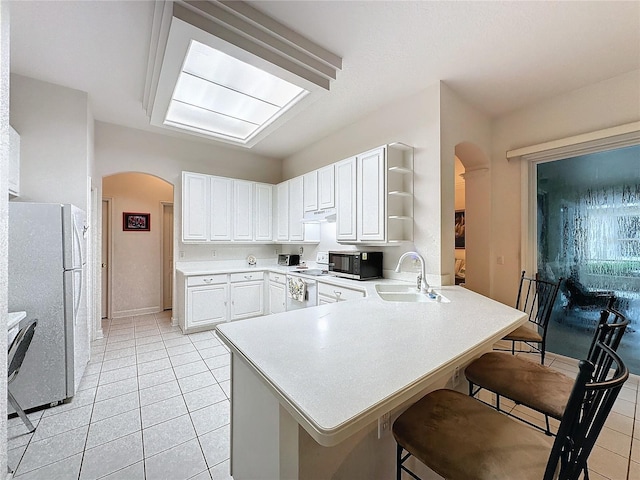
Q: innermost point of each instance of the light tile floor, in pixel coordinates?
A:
(154, 404)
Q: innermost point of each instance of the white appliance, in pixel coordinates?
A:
(47, 272)
(311, 296)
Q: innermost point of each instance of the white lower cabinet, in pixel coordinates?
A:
(247, 295)
(329, 293)
(203, 302)
(277, 293)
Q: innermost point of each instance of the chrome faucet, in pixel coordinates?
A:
(422, 284)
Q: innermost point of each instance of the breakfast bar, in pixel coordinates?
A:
(314, 391)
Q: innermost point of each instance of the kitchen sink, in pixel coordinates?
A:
(406, 293)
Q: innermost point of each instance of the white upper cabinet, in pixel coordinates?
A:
(221, 201)
(296, 209)
(282, 205)
(195, 206)
(220, 209)
(346, 199)
(263, 212)
(370, 199)
(326, 187)
(14, 162)
(374, 196)
(243, 210)
(310, 187)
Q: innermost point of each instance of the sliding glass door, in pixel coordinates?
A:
(588, 232)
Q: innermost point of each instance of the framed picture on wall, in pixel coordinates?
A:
(136, 222)
(460, 229)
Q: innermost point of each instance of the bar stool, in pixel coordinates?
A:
(536, 386)
(15, 357)
(461, 438)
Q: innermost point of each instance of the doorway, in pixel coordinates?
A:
(105, 257)
(167, 255)
(588, 233)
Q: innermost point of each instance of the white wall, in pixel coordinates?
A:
(602, 105)
(414, 121)
(54, 124)
(136, 264)
(120, 149)
(433, 121)
(4, 185)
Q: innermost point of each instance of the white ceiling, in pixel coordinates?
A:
(499, 56)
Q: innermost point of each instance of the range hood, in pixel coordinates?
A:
(317, 216)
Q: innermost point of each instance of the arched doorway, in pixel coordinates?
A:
(139, 225)
(477, 216)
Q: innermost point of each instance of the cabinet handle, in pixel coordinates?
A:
(248, 277)
(337, 293)
(207, 280)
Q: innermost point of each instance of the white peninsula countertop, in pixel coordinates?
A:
(336, 368)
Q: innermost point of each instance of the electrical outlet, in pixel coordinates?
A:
(276, 252)
(181, 254)
(383, 425)
(301, 250)
(213, 253)
(455, 379)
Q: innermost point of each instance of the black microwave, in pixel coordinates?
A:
(356, 265)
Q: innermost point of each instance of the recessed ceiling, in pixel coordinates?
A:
(499, 56)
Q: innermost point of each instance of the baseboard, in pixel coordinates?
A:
(136, 312)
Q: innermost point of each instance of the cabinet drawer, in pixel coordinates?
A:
(339, 293)
(278, 278)
(199, 280)
(247, 277)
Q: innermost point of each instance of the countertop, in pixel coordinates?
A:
(338, 367)
(222, 267)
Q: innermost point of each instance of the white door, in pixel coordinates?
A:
(105, 259)
(311, 191)
(195, 206)
(242, 210)
(247, 300)
(326, 187)
(221, 194)
(371, 199)
(296, 209)
(346, 199)
(167, 256)
(277, 297)
(263, 212)
(282, 200)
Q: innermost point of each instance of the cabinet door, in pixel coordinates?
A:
(326, 187)
(263, 212)
(346, 199)
(247, 299)
(195, 206)
(221, 191)
(282, 202)
(243, 210)
(310, 187)
(206, 305)
(371, 199)
(277, 297)
(296, 209)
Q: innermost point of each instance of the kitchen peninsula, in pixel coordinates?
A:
(309, 386)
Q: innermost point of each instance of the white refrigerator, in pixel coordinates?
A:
(47, 275)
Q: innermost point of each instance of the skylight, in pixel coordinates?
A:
(219, 95)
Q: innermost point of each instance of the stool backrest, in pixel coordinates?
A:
(536, 298)
(594, 393)
(610, 329)
(18, 349)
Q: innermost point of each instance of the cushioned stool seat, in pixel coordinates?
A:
(487, 444)
(523, 334)
(536, 386)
